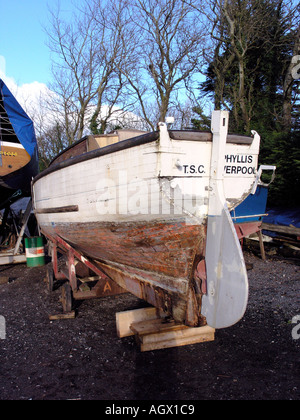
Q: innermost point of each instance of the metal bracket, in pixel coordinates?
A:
(258, 180)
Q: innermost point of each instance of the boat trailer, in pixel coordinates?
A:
(152, 329)
(78, 283)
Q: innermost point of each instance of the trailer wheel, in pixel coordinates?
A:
(50, 278)
(67, 298)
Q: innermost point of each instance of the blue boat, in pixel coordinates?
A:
(18, 149)
(248, 216)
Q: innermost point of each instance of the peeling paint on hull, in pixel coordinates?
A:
(154, 261)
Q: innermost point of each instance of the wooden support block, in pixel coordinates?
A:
(68, 315)
(261, 245)
(154, 332)
(88, 279)
(125, 319)
(154, 326)
(158, 334)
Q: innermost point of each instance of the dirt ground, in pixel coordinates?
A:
(84, 359)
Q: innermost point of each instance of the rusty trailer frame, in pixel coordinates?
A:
(76, 287)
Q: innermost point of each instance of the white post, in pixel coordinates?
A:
(219, 128)
(164, 139)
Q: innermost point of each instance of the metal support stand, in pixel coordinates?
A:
(76, 287)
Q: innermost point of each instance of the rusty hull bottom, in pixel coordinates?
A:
(155, 261)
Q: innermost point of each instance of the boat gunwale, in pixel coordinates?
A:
(207, 136)
(133, 142)
(112, 148)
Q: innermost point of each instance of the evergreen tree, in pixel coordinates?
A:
(250, 75)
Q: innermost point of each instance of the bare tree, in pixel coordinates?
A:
(109, 26)
(51, 142)
(86, 52)
(163, 47)
(73, 71)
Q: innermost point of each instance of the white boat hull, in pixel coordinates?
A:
(141, 212)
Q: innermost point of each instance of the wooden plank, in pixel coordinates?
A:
(290, 230)
(154, 333)
(62, 209)
(88, 279)
(7, 259)
(179, 333)
(176, 338)
(125, 319)
(154, 326)
(187, 341)
(69, 315)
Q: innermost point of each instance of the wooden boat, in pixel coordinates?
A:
(152, 210)
(18, 148)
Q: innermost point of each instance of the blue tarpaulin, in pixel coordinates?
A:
(21, 123)
(283, 217)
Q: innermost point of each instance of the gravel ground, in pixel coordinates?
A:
(83, 358)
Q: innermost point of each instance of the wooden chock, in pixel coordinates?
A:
(154, 333)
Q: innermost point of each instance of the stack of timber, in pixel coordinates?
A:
(287, 239)
(153, 332)
(285, 242)
(286, 233)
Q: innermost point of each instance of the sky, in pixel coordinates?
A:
(25, 56)
(25, 61)
(22, 41)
